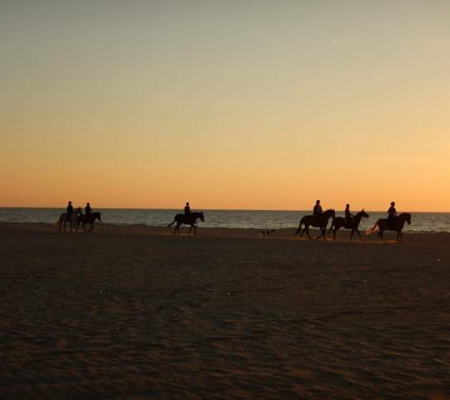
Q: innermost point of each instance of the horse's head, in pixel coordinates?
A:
(99, 216)
(330, 213)
(408, 218)
(201, 216)
(363, 214)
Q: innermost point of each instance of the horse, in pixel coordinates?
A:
(88, 219)
(340, 222)
(190, 219)
(399, 222)
(318, 221)
(63, 219)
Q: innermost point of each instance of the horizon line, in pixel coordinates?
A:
(212, 209)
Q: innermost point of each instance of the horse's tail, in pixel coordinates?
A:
(299, 227)
(332, 226)
(372, 230)
(174, 220)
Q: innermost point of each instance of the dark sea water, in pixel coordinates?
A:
(421, 222)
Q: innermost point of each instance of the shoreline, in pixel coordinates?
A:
(217, 232)
(421, 222)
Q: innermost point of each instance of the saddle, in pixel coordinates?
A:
(391, 223)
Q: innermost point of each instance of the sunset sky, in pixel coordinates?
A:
(239, 104)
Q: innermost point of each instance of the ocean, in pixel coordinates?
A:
(421, 221)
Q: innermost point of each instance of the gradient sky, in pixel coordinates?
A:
(226, 104)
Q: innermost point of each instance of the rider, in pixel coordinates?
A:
(187, 210)
(348, 215)
(392, 213)
(69, 210)
(88, 210)
(317, 209)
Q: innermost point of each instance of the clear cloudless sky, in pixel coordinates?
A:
(244, 104)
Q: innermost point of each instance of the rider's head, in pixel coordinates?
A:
(317, 202)
(392, 203)
(347, 206)
(70, 202)
(187, 203)
(88, 204)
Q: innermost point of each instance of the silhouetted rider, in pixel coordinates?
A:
(348, 215)
(317, 209)
(187, 210)
(69, 210)
(88, 210)
(392, 213)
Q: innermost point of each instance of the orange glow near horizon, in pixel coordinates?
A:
(252, 106)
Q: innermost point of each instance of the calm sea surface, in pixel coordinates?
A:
(421, 222)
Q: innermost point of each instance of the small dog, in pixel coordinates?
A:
(267, 232)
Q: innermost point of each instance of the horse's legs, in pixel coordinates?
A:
(190, 229)
(336, 228)
(321, 234)
(351, 234)
(359, 234)
(299, 229)
(380, 234)
(307, 232)
(195, 230)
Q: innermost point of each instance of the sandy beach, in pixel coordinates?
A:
(133, 313)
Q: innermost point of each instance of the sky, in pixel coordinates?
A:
(247, 104)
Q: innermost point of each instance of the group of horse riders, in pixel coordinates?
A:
(319, 219)
(75, 217)
(70, 210)
(391, 212)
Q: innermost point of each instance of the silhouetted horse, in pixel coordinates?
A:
(399, 222)
(88, 219)
(341, 222)
(318, 221)
(63, 220)
(190, 219)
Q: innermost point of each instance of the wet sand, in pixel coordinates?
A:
(133, 312)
